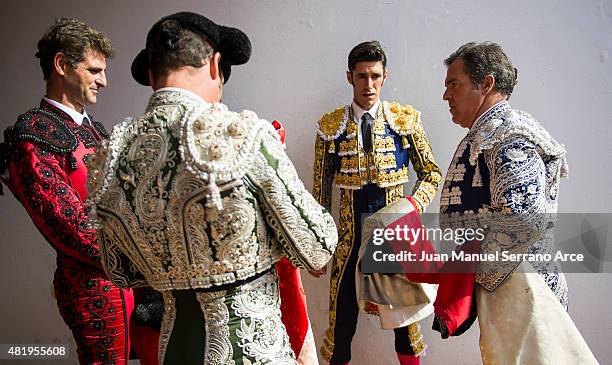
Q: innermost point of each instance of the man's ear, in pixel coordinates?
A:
(215, 71)
(384, 77)
(60, 62)
(349, 77)
(489, 83)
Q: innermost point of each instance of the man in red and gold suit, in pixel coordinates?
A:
(42, 163)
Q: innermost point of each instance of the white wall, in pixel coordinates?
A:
(561, 48)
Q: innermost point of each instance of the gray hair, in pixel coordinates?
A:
(486, 58)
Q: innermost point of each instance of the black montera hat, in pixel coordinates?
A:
(232, 43)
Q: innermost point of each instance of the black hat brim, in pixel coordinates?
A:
(140, 68)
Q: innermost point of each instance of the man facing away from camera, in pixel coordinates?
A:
(200, 202)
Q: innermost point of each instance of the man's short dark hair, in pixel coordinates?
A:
(366, 51)
(486, 58)
(174, 46)
(73, 38)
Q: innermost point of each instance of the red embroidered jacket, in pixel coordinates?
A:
(44, 154)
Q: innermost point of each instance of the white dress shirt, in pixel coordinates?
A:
(76, 116)
(358, 112)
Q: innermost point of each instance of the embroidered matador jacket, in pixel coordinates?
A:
(398, 140)
(43, 154)
(367, 182)
(504, 177)
(200, 202)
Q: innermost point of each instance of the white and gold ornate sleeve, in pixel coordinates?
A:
(429, 175)
(304, 228)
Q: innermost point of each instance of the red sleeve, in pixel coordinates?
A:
(41, 185)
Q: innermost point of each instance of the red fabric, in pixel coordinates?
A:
(408, 359)
(416, 271)
(293, 304)
(40, 181)
(145, 342)
(95, 311)
(144, 339)
(53, 193)
(454, 299)
(456, 279)
(280, 129)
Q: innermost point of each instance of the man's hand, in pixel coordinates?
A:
(317, 273)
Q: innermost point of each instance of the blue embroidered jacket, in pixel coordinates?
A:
(504, 177)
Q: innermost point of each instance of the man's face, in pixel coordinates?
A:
(83, 82)
(464, 100)
(367, 80)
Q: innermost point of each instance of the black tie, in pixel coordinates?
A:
(87, 124)
(366, 131)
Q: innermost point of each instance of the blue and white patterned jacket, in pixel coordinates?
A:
(505, 176)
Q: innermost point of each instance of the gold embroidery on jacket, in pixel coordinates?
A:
(394, 193)
(339, 262)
